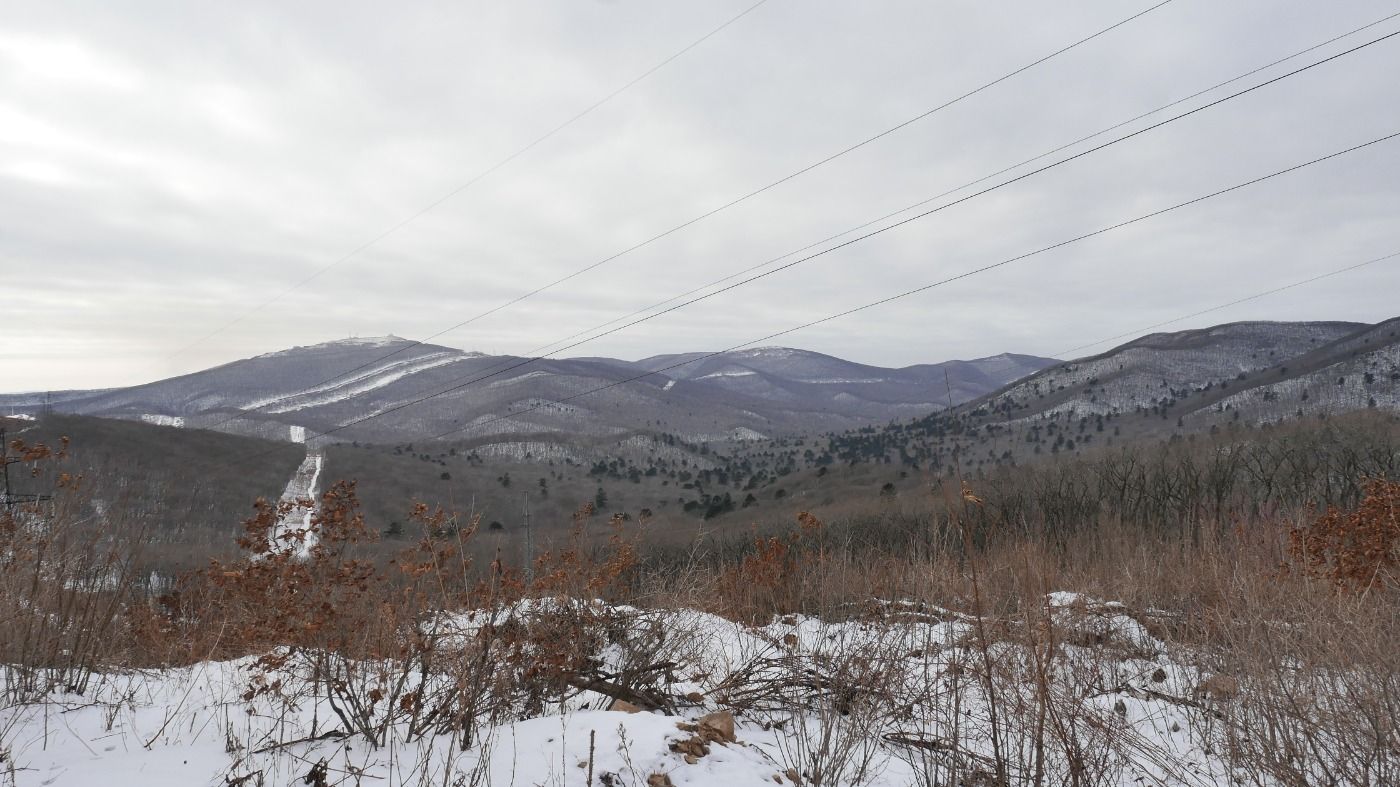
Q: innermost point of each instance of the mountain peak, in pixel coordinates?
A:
(348, 342)
(368, 341)
(770, 352)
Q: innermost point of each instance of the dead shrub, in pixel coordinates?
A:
(1358, 549)
(64, 581)
(769, 580)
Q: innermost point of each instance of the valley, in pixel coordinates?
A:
(1231, 385)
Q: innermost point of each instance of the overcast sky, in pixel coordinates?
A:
(169, 172)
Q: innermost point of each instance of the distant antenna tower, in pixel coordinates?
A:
(47, 409)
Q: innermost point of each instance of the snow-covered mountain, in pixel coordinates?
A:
(304, 391)
(1254, 371)
(1182, 371)
(1162, 385)
(817, 381)
(1358, 371)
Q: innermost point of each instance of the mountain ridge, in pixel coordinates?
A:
(1161, 385)
(746, 394)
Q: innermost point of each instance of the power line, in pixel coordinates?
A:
(941, 207)
(956, 189)
(828, 159)
(1256, 296)
(733, 202)
(939, 283)
(482, 175)
(913, 291)
(865, 236)
(538, 353)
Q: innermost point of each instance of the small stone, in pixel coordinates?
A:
(659, 780)
(790, 640)
(695, 696)
(1160, 676)
(718, 726)
(691, 759)
(624, 706)
(695, 747)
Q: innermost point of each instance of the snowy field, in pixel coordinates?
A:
(896, 696)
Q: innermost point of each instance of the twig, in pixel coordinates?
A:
(644, 700)
(591, 734)
(327, 735)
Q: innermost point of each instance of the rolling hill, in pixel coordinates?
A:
(752, 394)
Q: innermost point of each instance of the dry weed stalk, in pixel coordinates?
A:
(64, 581)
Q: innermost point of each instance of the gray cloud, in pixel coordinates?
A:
(166, 168)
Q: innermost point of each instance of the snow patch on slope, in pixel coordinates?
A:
(371, 380)
(293, 529)
(520, 379)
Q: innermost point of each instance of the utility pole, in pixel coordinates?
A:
(529, 541)
(5, 462)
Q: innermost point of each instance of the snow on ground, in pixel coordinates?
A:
(189, 727)
(164, 420)
(200, 725)
(300, 496)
